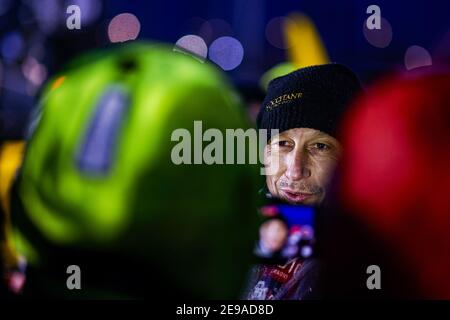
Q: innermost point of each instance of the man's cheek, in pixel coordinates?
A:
(325, 171)
(271, 184)
(330, 173)
(273, 164)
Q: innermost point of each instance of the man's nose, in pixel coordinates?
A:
(297, 165)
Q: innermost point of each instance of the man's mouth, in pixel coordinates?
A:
(295, 196)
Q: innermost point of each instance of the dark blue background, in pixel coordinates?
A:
(340, 23)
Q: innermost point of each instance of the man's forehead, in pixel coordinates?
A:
(306, 133)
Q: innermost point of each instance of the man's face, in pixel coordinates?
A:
(306, 160)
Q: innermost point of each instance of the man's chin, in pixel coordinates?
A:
(302, 203)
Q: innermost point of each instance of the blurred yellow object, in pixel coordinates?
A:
(11, 155)
(305, 47)
(58, 82)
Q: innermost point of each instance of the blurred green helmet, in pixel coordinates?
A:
(98, 187)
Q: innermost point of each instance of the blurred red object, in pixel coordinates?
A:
(396, 173)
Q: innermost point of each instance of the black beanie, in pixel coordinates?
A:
(313, 97)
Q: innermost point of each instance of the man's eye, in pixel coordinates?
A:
(283, 143)
(321, 146)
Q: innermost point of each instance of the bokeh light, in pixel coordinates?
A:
(380, 38)
(227, 52)
(416, 56)
(215, 28)
(124, 27)
(34, 72)
(205, 31)
(306, 251)
(192, 44)
(49, 14)
(12, 46)
(275, 32)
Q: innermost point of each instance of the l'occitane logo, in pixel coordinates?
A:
(283, 99)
